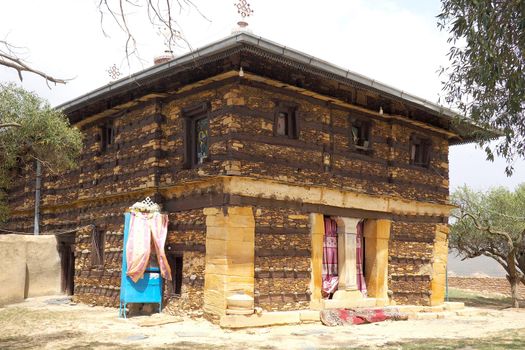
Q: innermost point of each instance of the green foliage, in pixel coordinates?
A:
(497, 210)
(43, 133)
(486, 76)
(491, 223)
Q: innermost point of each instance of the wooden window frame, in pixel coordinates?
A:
(107, 136)
(190, 116)
(98, 241)
(292, 121)
(365, 127)
(420, 151)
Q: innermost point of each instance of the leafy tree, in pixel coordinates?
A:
(486, 76)
(492, 223)
(31, 130)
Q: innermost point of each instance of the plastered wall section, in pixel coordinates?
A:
(31, 267)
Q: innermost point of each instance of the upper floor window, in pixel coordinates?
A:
(196, 122)
(285, 123)
(107, 136)
(201, 140)
(420, 151)
(360, 134)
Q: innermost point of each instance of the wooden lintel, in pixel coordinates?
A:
(238, 186)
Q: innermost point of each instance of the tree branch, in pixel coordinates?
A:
(488, 228)
(10, 60)
(160, 13)
(9, 125)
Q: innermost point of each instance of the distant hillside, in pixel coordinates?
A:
(480, 266)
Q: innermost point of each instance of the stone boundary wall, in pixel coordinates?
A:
(484, 285)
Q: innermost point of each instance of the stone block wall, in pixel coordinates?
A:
(282, 259)
(148, 158)
(410, 261)
(322, 153)
(187, 237)
(98, 284)
(230, 233)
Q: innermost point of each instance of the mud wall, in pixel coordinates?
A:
(31, 267)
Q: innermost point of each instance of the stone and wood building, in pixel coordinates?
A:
(248, 146)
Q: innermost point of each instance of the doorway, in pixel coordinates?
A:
(343, 256)
(175, 261)
(66, 249)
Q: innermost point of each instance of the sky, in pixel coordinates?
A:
(395, 42)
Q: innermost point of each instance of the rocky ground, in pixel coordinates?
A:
(55, 323)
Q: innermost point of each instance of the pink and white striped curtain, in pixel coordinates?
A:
(330, 268)
(361, 285)
(143, 227)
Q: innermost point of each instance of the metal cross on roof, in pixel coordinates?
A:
(114, 72)
(243, 8)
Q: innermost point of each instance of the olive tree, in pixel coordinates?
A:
(30, 131)
(485, 79)
(492, 223)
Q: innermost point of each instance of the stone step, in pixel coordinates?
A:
(347, 304)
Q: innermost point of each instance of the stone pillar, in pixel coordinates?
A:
(439, 266)
(346, 252)
(230, 256)
(317, 236)
(377, 235)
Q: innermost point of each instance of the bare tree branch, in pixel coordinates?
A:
(160, 13)
(10, 59)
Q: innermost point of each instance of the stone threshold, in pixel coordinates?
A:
(280, 318)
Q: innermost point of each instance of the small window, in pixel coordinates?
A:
(107, 138)
(201, 140)
(98, 239)
(196, 123)
(420, 151)
(360, 134)
(286, 122)
(175, 261)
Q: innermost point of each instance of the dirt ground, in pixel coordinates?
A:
(54, 323)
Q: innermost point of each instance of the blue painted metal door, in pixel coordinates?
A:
(148, 289)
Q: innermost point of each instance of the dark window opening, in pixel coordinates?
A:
(97, 248)
(201, 143)
(285, 123)
(196, 123)
(175, 262)
(420, 151)
(107, 136)
(360, 134)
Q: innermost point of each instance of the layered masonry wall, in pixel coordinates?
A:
(324, 131)
(147, 159)
(187, 238)
(282, 258)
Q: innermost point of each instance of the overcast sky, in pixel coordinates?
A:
(396, 42)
